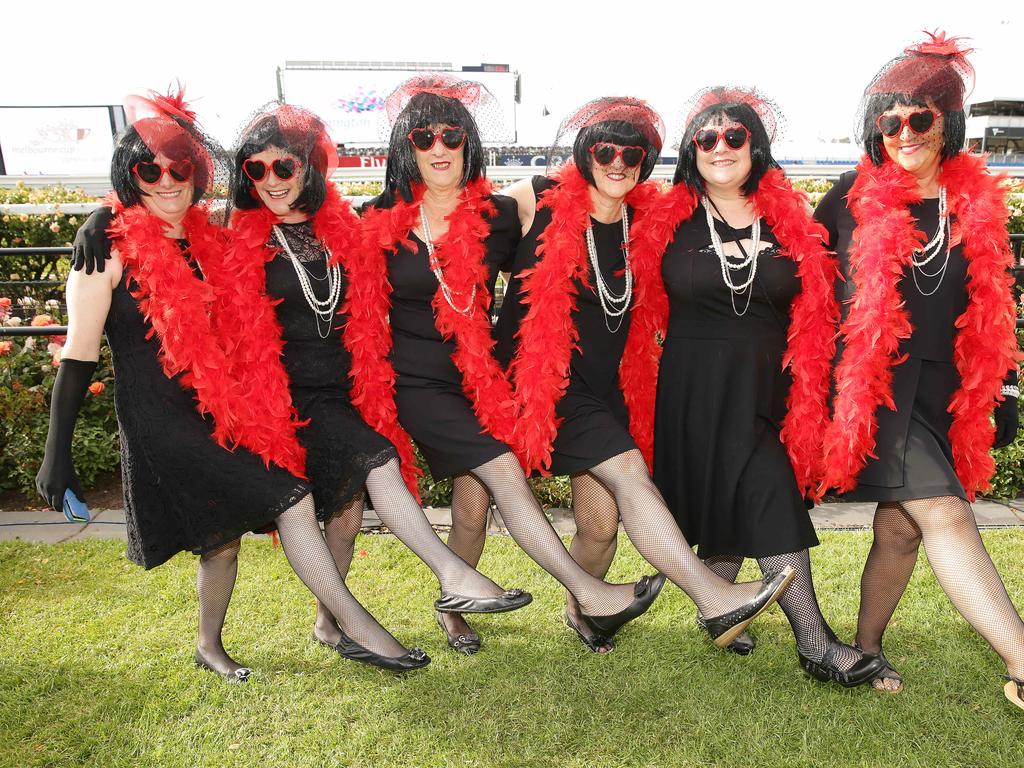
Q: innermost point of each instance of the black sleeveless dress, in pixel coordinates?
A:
(432, 406)
(595, 422)
(341, 449)
(718, 459)
(182, 491)
(914, 455)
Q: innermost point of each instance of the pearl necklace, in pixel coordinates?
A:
(933, 248)
(324, 310)
(735, 289)
(435, 267)
(611, 305)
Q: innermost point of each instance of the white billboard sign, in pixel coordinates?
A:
(56, 140)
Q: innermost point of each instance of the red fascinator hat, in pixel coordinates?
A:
(935, 70)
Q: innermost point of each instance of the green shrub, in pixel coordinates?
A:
(19, 230)
(27, 372)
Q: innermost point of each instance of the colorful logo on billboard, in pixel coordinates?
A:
(362, 101)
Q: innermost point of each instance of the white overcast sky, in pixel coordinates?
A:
(813, 58)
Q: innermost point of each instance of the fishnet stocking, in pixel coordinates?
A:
(471, 501)
(965, 572)
(307, 552)
(215, 581)
(340, 532)
(726, 566)
(799, 603)
(398, 510)
(529, 526)
(654, 533)
(597, 534)
(887, 572)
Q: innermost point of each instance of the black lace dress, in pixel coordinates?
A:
(341, 450)
(914, 455)
(595, 422)
(182, 491)
(718, 459)
(432, 406)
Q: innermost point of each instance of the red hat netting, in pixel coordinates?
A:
(625, 109)
(481, 104)
(167, 125)
(729, 95)
(935, 70)
(293, 129)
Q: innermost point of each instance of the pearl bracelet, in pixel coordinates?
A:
(1010, 390)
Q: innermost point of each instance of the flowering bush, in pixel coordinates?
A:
(28, 366)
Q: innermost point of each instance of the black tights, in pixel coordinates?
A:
(960, 562)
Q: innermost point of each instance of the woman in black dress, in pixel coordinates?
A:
(743, 377)
(295, 232)
(569, 306)
(419, 328)
(928, 346)
(205, 456)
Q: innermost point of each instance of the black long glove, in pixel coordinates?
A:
(58, 472)
(91, 248)
(1007, 420)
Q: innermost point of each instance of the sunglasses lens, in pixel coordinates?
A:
(453, 137)
(633, 156)
(736, 137)
(284, 169)
(422, 138)
(921, 121)
(706, 139)
(148, 172)
(255, 169)
(604, 153)
(890, 125)
(180, 170)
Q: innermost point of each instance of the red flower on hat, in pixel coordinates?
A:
(940, 45)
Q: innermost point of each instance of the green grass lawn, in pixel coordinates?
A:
(95, 669)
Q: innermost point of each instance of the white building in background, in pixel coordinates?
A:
(996, 126)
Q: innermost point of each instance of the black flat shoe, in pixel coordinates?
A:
(239, 675)
(864, 671)
(592, 642)
(743, 645)
(1014, 690)
(467, 644)
(727, 627)
(644, 591)
(511, 600)
(412, 659)
(888, 672)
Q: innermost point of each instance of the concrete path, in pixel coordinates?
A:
(50, 527)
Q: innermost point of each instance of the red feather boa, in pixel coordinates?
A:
(813, 315)
(985, 347)
(461, 253)
(548, 334)
(209, 328)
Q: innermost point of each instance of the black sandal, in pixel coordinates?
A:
(864, 671)
(644, 593)
(593, 642)
(888, 672)
(240, 675)
(467, 644)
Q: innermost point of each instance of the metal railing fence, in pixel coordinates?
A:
(1016, 243)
